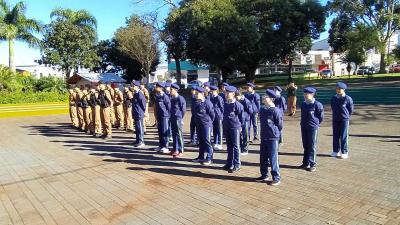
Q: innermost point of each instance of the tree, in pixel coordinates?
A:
(380, 15)
(295, 24)
(14, 25)
(353, 41)
(139, 41)
(69, 40)
(112, 57)
(175, 36)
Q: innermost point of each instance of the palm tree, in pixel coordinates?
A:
(15, 26)
(80, 18)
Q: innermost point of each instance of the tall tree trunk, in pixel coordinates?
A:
(178, 71)
(250, 75)
(382, 65)
(290, 70)
(11, 55)
(333, 62)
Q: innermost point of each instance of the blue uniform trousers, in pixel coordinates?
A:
(244, 139)
(232, 136)
(193, 131)
(162, 126)
(309, 136)
(169, 128)
(204, 137)
(253, 124)
(269, 153)
(139, 130)
(340, 136)
(177, 135)
(217, 131)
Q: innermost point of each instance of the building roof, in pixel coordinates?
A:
(186, 65)
(96, 78)
(321, 45)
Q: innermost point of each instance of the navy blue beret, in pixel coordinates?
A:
(136, 83)
(213, 88)
(270, 93)
(309, 90)
(341, 85)
(250, 85)
(206, 84)
(199, 89)
(167, 84)
(175, 86)
(160, 84)
(278, 88)
(230, 89)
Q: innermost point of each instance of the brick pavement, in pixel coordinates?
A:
(52, 174)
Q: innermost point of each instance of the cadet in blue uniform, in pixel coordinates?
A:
(342, 109)
(193, 130)
(280, 103)
(206, 87)
(178, 110)
(254, 99)
(270, 126)
(218, 103)
(233, 120)
(138, 110)
(247, 111)
(222, 89)
(312, 115)
(163, 107)
(204, 112)
(168, 93)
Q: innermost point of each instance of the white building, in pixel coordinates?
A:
(39, 71)
(189, 72)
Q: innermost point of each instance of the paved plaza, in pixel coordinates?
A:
(53, 174)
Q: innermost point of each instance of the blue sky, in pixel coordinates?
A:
(110, 15)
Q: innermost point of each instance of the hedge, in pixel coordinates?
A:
(31, 97)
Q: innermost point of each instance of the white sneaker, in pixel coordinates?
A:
(141, 145)
(344, 156)
(336, 154)
(244, 153)
(165, 151)
(218, 147)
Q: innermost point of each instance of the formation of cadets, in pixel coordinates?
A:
(218, 113)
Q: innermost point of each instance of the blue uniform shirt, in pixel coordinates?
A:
(280, 103)
(178, 107)
(218, 103)
(138, 105)
(312, 114)
(233, 115)
(270, 123)
(222, 94)
(204, 112)
(247, 108)
(163, 105)
(193, 102)
(342, 107)
(254, 99)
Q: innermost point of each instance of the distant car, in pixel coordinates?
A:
(326, 73)
(194, 83)
(394, 69)
(369, 70)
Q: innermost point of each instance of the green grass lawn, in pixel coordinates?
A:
(33, 109)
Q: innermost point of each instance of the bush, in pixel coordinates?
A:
(24, 82)
(31, 97)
